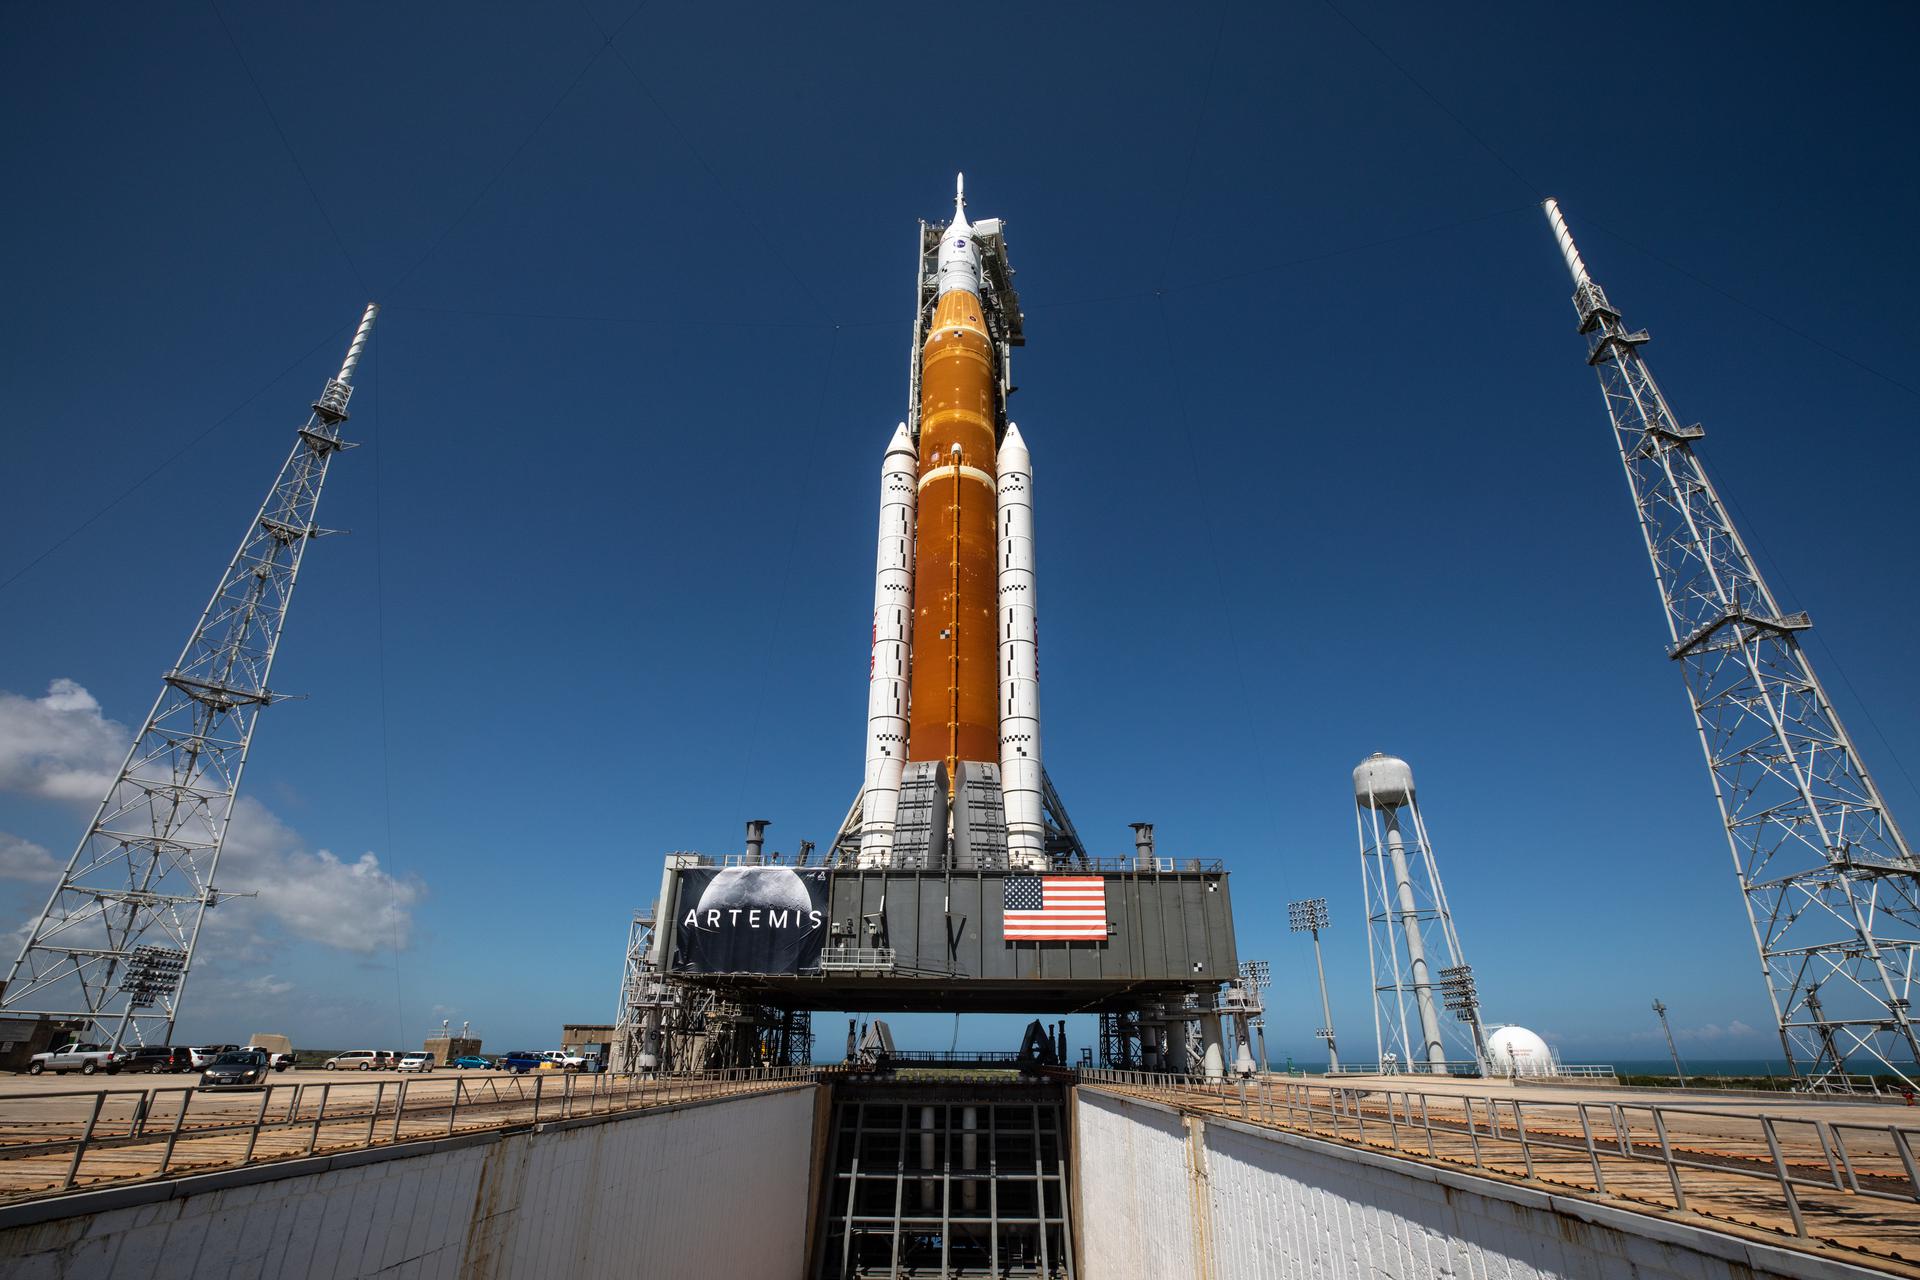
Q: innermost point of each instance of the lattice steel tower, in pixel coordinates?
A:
(1830, 884)
(115, 944)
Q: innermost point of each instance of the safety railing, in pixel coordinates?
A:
(848, 860)
(834, 959)
(1467, 1068)
(1806, 1176)
(57, 1142)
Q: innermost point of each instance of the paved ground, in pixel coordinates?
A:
(1864, 1108)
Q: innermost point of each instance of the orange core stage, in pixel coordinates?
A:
(954, 708)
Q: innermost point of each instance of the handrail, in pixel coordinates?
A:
(1123, 864)
(48, 1139)
(1468, 1068)
(1813, 1164)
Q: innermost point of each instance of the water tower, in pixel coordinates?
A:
(1413, 953)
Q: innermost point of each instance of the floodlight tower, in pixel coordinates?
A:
(1679, 1071)
(114, 946)
(1831, 886)
(1309, 915)
(1409, 925)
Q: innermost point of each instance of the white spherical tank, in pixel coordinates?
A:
(1383, 782)
(1516, 1051)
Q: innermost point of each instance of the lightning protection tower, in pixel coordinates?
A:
(1830, 883)
(113, 948)
(1413, 952)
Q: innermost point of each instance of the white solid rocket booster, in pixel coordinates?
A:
(892, 650)
(1019, 659)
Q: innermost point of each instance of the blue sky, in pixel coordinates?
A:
(1319, 468)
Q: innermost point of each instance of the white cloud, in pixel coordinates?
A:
(1713, 1031)
(1708, 1033)
(61, 747)
(355, 906)
(58, 747)
(22, 859)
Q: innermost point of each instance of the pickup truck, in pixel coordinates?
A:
(565, 1059)
(275, 1059)
(84, 1058)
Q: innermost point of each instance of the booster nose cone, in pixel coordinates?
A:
(1013, 450)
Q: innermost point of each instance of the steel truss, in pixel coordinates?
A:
(629, 1023)
(1120, 1040)
(114, 946)
(1064, 846)
(1829, 881)
(667, 1025)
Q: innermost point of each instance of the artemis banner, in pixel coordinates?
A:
(749, 919)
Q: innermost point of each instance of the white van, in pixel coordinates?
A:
(355, 1060)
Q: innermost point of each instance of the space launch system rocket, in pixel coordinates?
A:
(954, 678)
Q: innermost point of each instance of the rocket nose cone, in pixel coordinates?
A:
(1013, 451)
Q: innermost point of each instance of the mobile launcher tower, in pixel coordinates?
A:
(956, 883)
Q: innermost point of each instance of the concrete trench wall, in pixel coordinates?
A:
(705, 1189)
(1160, 1194)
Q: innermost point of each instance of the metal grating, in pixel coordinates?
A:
(938, 1181)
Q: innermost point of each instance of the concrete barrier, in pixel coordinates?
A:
(1159, 1193)
(702, 1189)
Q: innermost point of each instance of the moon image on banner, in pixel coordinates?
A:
(750, 919)
(748, 887)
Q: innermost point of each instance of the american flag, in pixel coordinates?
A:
(1056, 908)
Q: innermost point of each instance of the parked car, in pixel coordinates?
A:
(522, 1061)
(159, 1057)
(84, 1058)
(203, 1055)
(416, 1062)
(355, 1060)
(472, 1062)
(278, 1061)
(237, 1069)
